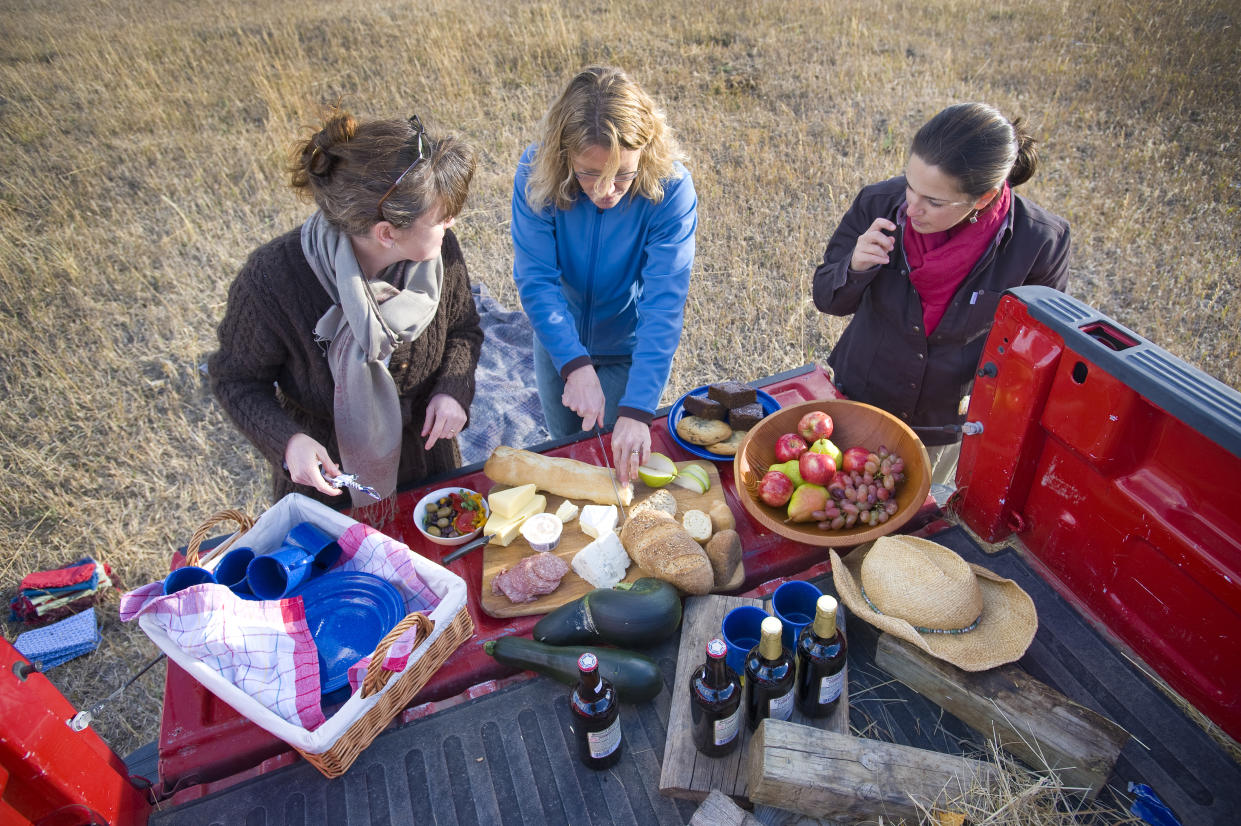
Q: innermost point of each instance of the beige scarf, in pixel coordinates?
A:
(366, 322)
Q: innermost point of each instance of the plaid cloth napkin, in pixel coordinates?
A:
(61, 641)
(265, 647)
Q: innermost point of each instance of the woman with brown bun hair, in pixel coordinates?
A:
(920, 262)
(349, 344)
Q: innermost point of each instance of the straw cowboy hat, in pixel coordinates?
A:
(924, 593)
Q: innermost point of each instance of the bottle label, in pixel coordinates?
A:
(830, 687)
(781, 708)
(603, 743)
(727, 728)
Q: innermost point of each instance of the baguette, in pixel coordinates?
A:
(665, 550)
(561, 477)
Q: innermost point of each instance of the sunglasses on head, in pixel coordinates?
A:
(420, 135)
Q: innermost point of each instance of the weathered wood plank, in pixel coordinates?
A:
(1027, 718)
(718, 809)
(826, 774)
(686, 773)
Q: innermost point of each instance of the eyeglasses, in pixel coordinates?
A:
(620, 178)
(420, 135)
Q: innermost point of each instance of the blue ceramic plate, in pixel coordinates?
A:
(769, 404)
(348, 613)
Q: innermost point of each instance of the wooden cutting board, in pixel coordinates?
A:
(497, 558)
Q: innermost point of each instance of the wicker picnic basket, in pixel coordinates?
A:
(383, 693)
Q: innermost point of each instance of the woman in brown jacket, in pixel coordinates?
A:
(920, 262)
(349, 344)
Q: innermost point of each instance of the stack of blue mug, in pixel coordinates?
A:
(306, 552)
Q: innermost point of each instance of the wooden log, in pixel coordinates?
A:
(825, 774)
(1027, 718)
(718, 809)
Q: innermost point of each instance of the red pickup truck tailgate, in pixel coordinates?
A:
(1118, 466)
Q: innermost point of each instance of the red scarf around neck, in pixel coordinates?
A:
(939, 261)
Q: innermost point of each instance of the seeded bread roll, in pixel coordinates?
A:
(724, 552)
(664, 549)
(660, 500)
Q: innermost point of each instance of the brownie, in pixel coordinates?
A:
(705, 408)
(732, 394)
(746, 416)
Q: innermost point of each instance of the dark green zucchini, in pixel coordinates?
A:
(635, 677)
(632, 615)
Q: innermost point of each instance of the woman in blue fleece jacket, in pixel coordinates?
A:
(604, 215)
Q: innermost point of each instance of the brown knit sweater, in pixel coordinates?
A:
(272, 378)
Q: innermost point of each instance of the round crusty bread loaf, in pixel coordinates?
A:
(664, 549)
(724, 552)
(721, 517)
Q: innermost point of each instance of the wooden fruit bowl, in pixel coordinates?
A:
(856, 424)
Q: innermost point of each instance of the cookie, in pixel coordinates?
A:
(729, 446)
(699, 431)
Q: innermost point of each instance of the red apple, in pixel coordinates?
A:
(815, 425)
(855, 460)
(816, 468)
(775, 488)
(790, 446)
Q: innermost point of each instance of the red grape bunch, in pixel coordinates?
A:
(865, 495)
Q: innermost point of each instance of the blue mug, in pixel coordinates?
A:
(793, 604)
(186, 576)
(231, 570)
(317, 542)
(278, 574)
(741, 633)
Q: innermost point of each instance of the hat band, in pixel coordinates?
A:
(919, 628)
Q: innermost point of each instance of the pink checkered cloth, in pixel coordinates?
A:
(264, 647)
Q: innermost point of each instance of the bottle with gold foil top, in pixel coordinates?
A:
(769, 676)
(715, 703)
(821, 671)
(595, 721)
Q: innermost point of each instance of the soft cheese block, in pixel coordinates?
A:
(598, 521)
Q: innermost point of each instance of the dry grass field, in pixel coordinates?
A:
(142, 147)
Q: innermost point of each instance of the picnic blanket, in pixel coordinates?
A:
(506, 408)
(265, 647)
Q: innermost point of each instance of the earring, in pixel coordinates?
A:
(973, 216)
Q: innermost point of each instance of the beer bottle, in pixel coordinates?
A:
(769, 676)
(715, 703)
(821, 672)
(595, 721)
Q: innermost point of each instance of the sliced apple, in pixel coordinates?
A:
(658, 471)
(693, 477)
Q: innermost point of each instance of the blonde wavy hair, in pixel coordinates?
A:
(601, 107)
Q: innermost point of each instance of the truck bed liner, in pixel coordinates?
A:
(508, 758)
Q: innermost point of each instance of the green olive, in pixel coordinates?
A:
(434, 531)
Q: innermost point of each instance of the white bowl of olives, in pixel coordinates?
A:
(451, 516)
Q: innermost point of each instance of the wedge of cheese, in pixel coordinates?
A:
(510, 502)
(504, 530)
(567, 511)
(598, 521)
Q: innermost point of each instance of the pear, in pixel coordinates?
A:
(791, 470)
(806, 500)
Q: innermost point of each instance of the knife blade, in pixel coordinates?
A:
(607, 458)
